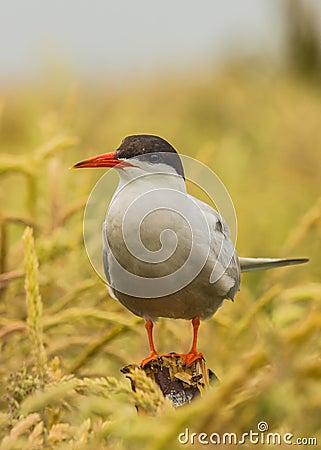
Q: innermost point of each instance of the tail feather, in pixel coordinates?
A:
(250, 264)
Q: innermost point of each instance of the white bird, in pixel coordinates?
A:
(142, 263)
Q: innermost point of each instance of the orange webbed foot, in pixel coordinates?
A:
(188, 358)
(149, 358)
(191, 357)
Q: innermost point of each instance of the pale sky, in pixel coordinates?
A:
(121, 37)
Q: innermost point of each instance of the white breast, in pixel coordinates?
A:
(166, 236)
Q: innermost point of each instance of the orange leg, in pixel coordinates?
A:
(153, 353)
(193, 354)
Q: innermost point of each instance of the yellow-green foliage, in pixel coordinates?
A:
(34, 304)
(64, 340)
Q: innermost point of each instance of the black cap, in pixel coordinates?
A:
(145, 146)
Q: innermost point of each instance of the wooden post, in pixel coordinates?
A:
(178, 382)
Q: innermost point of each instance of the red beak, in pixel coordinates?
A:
(104, 160)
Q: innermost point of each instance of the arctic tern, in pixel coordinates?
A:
(154, 288)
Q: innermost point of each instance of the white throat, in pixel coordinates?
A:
(146, 177)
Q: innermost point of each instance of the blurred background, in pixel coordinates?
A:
(236, 85)
(103, 39)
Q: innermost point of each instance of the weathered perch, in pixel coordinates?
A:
(178, 382)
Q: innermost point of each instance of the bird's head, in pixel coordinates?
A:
(144, 153)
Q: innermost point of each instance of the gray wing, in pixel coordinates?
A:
(105, 252)
(223, 254)
(105, 261)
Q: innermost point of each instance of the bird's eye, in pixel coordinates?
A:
(155, 158)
